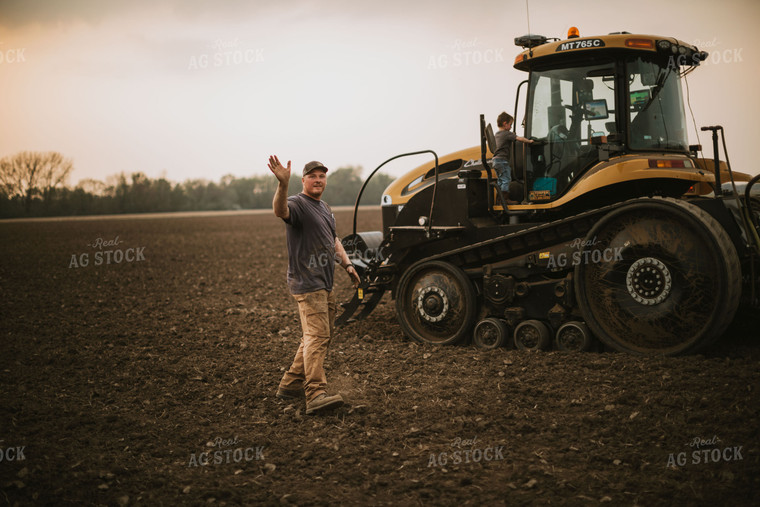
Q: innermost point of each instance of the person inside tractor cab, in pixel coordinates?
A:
(500, 161)
(565, 143)
(570, 147)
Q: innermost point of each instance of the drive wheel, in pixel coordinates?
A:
(490, 333)
(661, 276)
(435, 303)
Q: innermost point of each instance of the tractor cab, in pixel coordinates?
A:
(593, 98)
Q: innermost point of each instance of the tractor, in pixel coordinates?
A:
(614, 231)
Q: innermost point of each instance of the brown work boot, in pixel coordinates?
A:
(323, 402)
(507, 199)
(289, 394)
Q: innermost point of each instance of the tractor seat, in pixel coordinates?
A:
(516, 190)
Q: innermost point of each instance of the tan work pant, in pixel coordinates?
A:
(317, 310)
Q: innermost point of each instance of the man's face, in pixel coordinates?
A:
(314, 183)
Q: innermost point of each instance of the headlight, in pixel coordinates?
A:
(664, 45)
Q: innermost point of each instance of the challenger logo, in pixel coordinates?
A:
(539, 195)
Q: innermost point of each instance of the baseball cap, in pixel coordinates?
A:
(313, 165)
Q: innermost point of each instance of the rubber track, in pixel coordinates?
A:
(566, 229)
(524, 241)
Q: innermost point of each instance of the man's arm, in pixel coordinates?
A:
(524, 140)
(280, 201)
(342, 257)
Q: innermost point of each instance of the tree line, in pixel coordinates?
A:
(34, 184)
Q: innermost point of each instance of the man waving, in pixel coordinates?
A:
(313, 250)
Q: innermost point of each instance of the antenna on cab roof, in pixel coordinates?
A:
(529, 40)
(527, 12)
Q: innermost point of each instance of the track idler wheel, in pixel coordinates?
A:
(491, 333)
(435, 303)
(532, 335)
(574, 337)
(661, 276)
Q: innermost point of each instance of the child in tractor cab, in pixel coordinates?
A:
(500, 162)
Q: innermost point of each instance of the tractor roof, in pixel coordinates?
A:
(540, 50)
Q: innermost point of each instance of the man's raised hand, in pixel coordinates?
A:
(281, 172)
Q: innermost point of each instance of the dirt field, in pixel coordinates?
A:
(151, 382)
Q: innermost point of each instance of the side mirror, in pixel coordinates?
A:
(648, 79)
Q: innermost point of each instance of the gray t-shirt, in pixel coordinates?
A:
(503, 137)
(311, 245)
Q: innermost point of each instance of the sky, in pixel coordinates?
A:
(201, 89)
